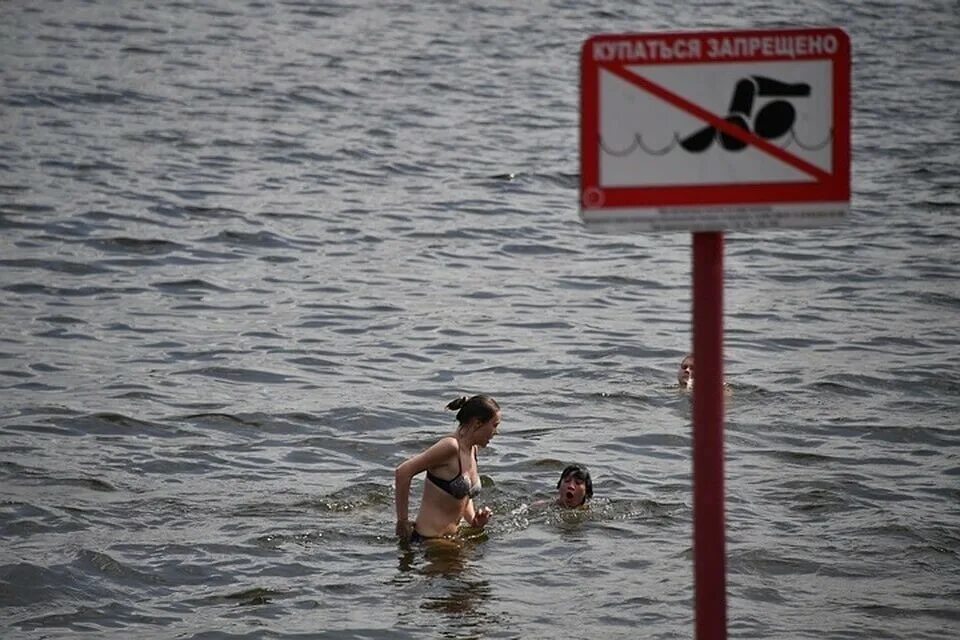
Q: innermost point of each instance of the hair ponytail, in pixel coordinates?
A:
(455, 405)
(480, 407)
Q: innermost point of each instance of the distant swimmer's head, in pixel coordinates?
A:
(575, 486)
(685, 373)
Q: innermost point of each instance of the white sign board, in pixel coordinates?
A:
(715, 130)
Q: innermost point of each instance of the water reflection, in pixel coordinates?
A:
(440, 556)
(461, 598)
(439, 577)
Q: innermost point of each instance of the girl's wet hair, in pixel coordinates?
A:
(579, 472)
(480, 407)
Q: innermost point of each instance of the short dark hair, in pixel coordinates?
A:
(580, 472)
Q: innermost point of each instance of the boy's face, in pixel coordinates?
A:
(572, 490)
(685, 374)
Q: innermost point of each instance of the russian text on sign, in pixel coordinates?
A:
(653, 50)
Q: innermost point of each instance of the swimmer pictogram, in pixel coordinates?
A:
(771, 121)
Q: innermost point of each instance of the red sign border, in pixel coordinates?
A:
(833, 187)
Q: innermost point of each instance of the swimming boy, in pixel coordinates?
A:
(685, 373)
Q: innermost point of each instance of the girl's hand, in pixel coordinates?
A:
(481, 518)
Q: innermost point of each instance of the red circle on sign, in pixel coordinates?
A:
(592, 198)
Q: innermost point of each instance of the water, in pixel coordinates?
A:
(250, 250)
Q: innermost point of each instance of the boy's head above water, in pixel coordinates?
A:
(685, 373)
(575, 486)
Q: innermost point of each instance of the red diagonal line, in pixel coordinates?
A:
(733, 130)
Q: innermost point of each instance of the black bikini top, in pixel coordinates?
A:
(459, 487)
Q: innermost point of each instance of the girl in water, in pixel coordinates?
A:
(453, 480)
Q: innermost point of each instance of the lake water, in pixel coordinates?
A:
(250, 249)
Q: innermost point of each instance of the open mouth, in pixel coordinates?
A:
(569, 496)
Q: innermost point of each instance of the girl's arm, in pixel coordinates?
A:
(402, 489)
(474, 517)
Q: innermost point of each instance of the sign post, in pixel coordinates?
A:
(707, 132)
(709, 543)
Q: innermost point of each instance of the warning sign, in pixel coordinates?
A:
(715, 130)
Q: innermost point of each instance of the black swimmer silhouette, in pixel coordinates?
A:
(772, 121)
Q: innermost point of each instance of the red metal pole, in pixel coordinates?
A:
(709, 556)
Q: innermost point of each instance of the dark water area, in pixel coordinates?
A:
(249, 250)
